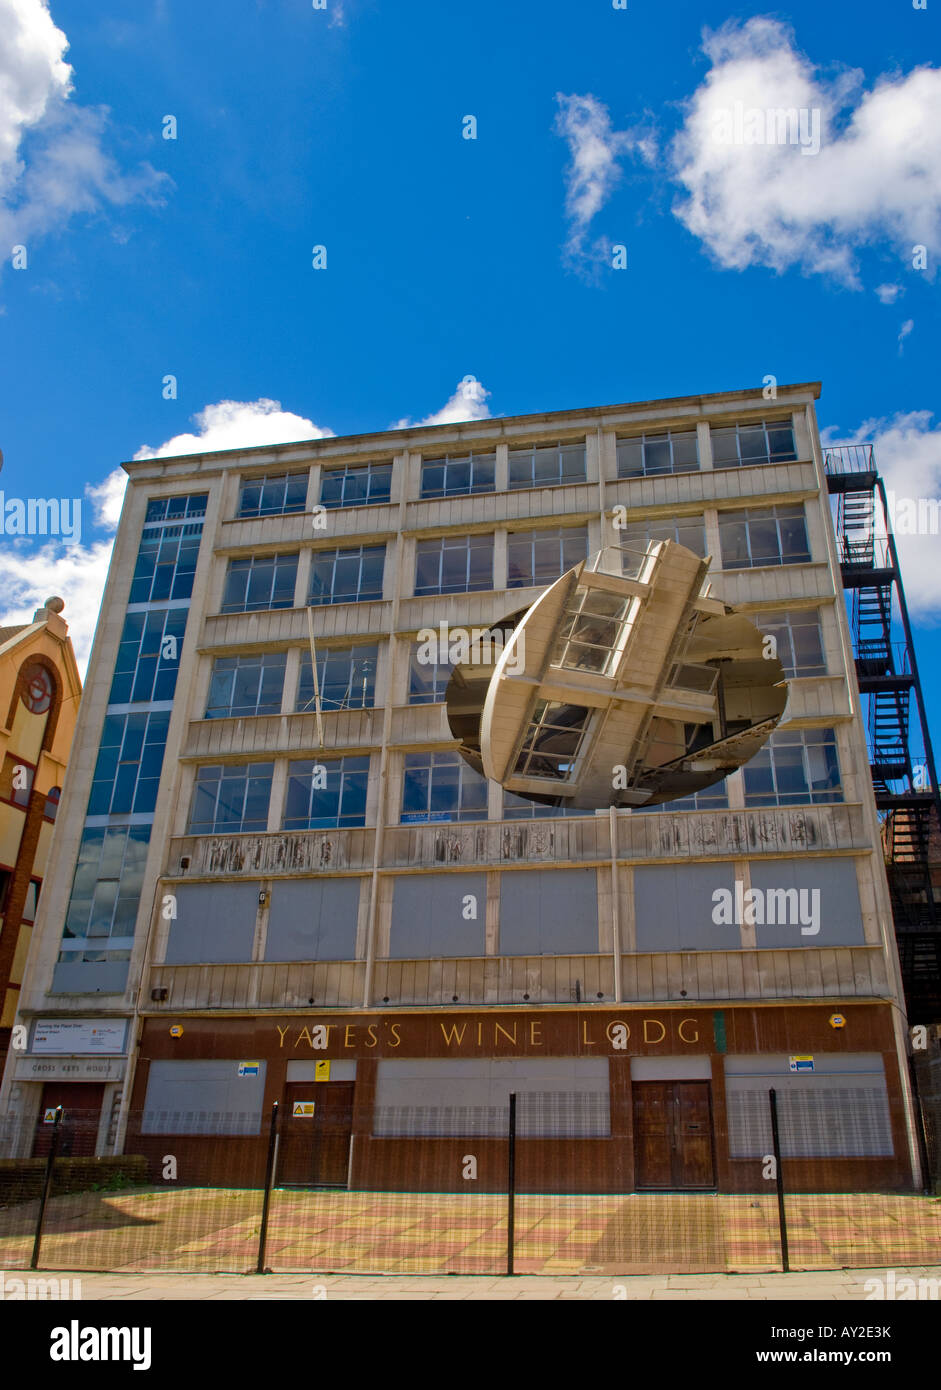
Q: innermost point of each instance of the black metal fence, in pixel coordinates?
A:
(537, 1187)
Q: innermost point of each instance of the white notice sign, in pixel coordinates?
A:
(79, 1035)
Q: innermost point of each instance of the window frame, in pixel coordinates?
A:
(441, 546)
(374, 470)
(757, 460)
(671, 437)
(776, 514)
(561, 447)
(345, 552)
(244, 661)
(250, 774)
(467, 778)
(528, 540)
(363, 652)
(445, 462)
(263, 481)
(252, 565)
(785, 622)
(820, 794)
(354, 778)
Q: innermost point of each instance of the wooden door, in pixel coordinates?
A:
(315, 1150)
(78, 1129)
(673, 1145)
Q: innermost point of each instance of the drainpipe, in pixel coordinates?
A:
(615, 912)
(384, 749)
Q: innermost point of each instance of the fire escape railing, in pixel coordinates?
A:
(904, 777)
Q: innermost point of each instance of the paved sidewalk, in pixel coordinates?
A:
(833, 1285)
(188, 1231)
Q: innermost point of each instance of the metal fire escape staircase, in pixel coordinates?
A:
(906, 788)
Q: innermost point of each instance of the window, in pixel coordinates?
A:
(454, 565)
(456, 476)
(764, 536)
(36, 688)
(230, 800)
(260, 582)
(795, 768)
(441, 787)
(246, 685)
(356, 485)
(51, 808)
(799, 640)
(647, 454)
(518, 808)
(149, 657)
(545, 464)
(130, 756)
(541, 557)
(327, 795)
(273, 494)
(427, 681)
(591, 637)
(166, 563)
(6, 878)
(346, 677)
(352, 574)
(31, 904)
(99, 924)
(685, 530)
(16, 780)
(764, 442)
(175, 508)
(552, 740)
(714, 798)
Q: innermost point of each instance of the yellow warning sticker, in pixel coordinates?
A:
(303, 1110)
(322, 1071)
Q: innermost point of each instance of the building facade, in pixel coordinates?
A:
(40, 690)
(277, 879)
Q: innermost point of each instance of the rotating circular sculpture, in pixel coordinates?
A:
(624, 684)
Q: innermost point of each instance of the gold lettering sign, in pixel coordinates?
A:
(487, 1034)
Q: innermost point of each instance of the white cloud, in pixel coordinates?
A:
(877, 176)
(904, 331)
(907, 451)
(595, 150)
(76, 573)
(238, 425)
(53, 163)
(107, 498)
(888, 294)
(469, 402)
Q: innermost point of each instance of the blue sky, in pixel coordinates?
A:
(447, 256)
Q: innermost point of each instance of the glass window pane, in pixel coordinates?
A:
(657, 457)
(724, 447)
(630, 456)
(764, 541)
(685, 453)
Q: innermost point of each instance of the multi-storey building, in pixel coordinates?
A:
(270, 886)
(39, 693)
